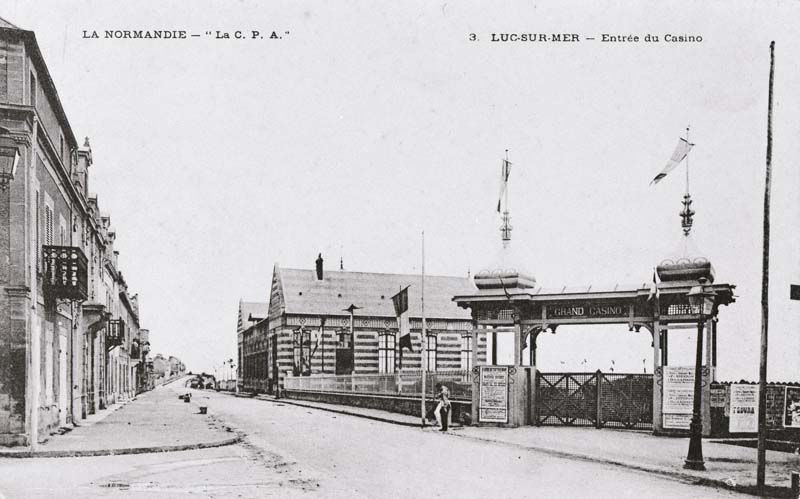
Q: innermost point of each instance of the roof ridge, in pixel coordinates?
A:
(379, 273)
(4, 23)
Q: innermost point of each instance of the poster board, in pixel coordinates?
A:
(791, 417)
(719, 396)
(744, 409)
(677, 397)
(493, 400)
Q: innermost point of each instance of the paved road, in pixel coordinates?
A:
(291, 451)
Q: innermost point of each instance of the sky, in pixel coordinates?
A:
(366, 124)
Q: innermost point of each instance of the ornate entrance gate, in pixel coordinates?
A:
(594, 399)
(509, 301)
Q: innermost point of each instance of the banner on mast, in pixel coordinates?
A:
(681, 151)
(505, 171)
(400, 302)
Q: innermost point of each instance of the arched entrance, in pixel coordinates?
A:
(508, 301)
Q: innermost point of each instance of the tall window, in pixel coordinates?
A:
(33, 90)
(386, 352)
(466, 352)
(431, 352)
(62, 231)
(302, 345)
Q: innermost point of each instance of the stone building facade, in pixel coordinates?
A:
(61, 288)
(251, 332)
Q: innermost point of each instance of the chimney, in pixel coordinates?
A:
(319, 267)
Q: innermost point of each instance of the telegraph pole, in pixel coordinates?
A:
(762, 372)
(424, 349)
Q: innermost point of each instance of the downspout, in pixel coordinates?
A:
(34, 374)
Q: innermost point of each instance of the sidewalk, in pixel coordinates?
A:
(155, 421)
(728, 466)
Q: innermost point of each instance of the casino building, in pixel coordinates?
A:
(339, 322)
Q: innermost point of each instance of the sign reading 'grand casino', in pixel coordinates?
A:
(587, 310)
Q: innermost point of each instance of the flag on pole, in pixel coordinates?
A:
(504, 173)
(400, 301)
(681, 151)
(654, 292)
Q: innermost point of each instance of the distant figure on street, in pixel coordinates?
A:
(442, 411)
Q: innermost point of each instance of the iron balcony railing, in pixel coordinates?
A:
(65, 272)
(405, 383)
(115, 333)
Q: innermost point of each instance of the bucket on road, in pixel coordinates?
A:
(203, 410)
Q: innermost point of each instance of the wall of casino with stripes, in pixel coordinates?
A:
(323, 346)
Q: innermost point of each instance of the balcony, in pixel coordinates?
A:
(115, 333)
(65, 274)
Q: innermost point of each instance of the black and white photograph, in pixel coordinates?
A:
(414, 249)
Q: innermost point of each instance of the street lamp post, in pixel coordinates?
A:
(701, 299)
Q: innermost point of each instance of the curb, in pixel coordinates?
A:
(344, 412)
(340, 411)
(120, 452)
(685, 477)
(349, 413)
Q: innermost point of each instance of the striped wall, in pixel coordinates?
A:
(323, 351)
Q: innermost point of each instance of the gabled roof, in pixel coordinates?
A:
(6, 24)
(45, 79)
(304, 294)
(251, 312)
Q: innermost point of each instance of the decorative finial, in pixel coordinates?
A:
(687, 214)
(86, 142)
(505, 229)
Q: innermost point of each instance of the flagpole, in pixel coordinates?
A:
(398, 363)
(762, 372)
(687, 160)
(424, 349)
(506, 191)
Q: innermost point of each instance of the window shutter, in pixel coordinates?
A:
(38, 241)
(48, 225)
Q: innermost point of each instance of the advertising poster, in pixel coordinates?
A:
(678, 397)
(792, 405)
(718, 396)
(493, 405)
(744, 409)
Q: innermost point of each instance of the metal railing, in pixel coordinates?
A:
(65, 272)
(115, 333)
(406, 383)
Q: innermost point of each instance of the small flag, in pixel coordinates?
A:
(400, 301)
(505, 171)
(405, 342)
(681, 151)
(508, 296)
(654, 291)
